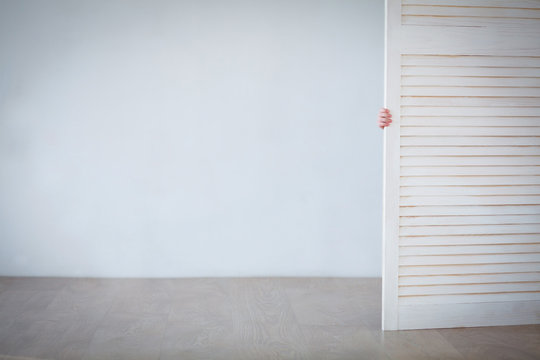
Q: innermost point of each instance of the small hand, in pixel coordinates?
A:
(385, 118)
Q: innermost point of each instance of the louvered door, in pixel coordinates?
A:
(462, 164)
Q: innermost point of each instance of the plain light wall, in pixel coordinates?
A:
(190, 138)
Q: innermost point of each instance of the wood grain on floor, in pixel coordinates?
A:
(222, 318)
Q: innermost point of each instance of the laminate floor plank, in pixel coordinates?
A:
(194, 338)
(494, 343)
(4, 283)
(261, 300)
(227, 318)
(205, 302)
(200, 321)
(34, 283)
(129, 337)
(85, 303)
(334, 302)
(49, 339)
(417, 345)
(259, 340)
(145, 296)
(14, 304)
(265, 318)
(333, 342)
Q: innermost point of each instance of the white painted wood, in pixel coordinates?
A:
(473, 21)
(477, 101)
(470, 11)
(469, 161)
(470, 60)
(426, 270)
(465, 121)
(481, 298)
(469, 111)
(468, 249)
(469, 220)
(469, 278)
(412, 70)
(469, 190)
(392, 74)
(464, 81)
(469, 180)
(443, 289)
(470, 171)
(448, 91)
(470, 229)
(469, 210)
(469, 131)
(470, 91)
(459, 315)
(470, 141)
(468, 259)
(495, 40)
(469, 200)
(470, 151)
(469, 239)
(527, 4)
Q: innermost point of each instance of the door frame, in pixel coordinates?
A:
(391, 154)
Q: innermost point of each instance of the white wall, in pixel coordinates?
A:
(190, 138)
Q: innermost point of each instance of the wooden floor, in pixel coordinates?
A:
(235, 319)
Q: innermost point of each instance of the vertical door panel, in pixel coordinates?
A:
(462, 164)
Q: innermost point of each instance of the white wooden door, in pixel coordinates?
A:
(462, 164)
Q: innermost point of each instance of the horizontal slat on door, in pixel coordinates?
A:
(470, 160)
(469, 279)
(469, 131)
(470, 298)
(468, 269)
(469, 220)
(469, 229)
(470, 91)
(469, 190)
(526, 4)
(470, 81)
(470, 141)
(477, 131)
(407, 290)
(469, 180)
(469, 200)
(446, 151)
(469, 111)
(470, 11)
(427, 40)
(468, 249)
(473, 21)
(464, 121)
(468, 259)
(474, 209)
(470, 170)
(475, 102)
(477, 239)
(470, 60)
(476, 71)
